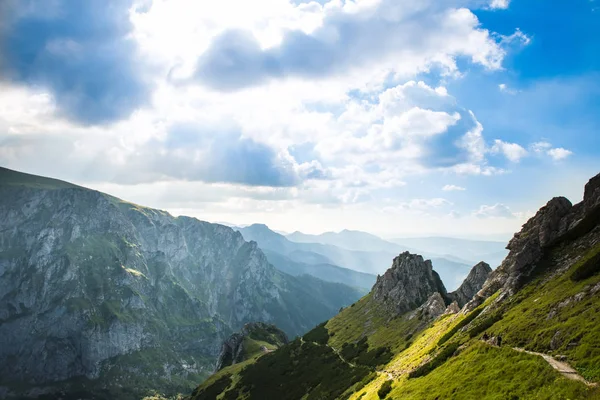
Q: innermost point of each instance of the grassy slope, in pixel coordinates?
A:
(14, 178)
(364, 318)
(530, 319)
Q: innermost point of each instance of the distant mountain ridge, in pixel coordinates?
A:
(464, 251)
(374, 261)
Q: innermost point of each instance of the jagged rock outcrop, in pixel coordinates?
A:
(472, 284)
(92, 286)
(407, 284)
(558, 220)
(453, 308)
(254, 337)
(432, 308)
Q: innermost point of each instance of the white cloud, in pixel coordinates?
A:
(540, 147)
(546, 148)
(513, 151)
(496, 211)
(500, 4)
(344, 138)
(559, 153)
(450, 188)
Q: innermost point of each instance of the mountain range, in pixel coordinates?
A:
(527, 330)
(101, 296)
(348, 250)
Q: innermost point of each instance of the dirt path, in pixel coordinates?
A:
(562, 367)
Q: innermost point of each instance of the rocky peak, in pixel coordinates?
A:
(253, 337)
(472, 284)
(557, 221)
(407, 284)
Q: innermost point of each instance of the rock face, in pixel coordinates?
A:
(94, 287)
(407, 284)
(432, 308)
(558, 220)
(253, 338)
(472, 284)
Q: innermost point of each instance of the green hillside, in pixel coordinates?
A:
(532, 332)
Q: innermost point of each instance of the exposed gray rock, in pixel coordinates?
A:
(453, 308)
(557, 221)
(472, 284)
(407, 284)
(433, 307)
(92, 286)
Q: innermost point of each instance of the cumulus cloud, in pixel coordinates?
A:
(500, 4)
(496, 211)
(453, 188)
(559, 153)
(390, 34)
(513, 151)
(79, 50)
(545, 148)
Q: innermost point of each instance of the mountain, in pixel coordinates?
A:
(529, 331)
(472, 284)
(373, 261)
(347, 239)
(461, 251)
(253, 340)
(492, 252)
(326, 272)
(108, 299)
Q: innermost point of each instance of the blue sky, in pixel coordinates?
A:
(397, 117)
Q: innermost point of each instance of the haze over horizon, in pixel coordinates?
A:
(393, 117)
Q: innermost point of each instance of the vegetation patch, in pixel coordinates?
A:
(487, 372)
(438, 360)
(464, 322)
(318, 335)
(588, 266)
(359, 353)
(485, 324)
(296, 371)
(211, 392)
(385, 389)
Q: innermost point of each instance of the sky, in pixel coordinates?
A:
(395, 117)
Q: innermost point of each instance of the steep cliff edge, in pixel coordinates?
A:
(102, 296)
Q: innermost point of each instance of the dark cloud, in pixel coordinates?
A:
(79, 50)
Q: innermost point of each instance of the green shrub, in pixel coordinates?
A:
(320, 334)
(212, 391)
(588, 266)
(438, 360)
(359, 353)
(385, 389)
(460, 325)
(484, 325)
